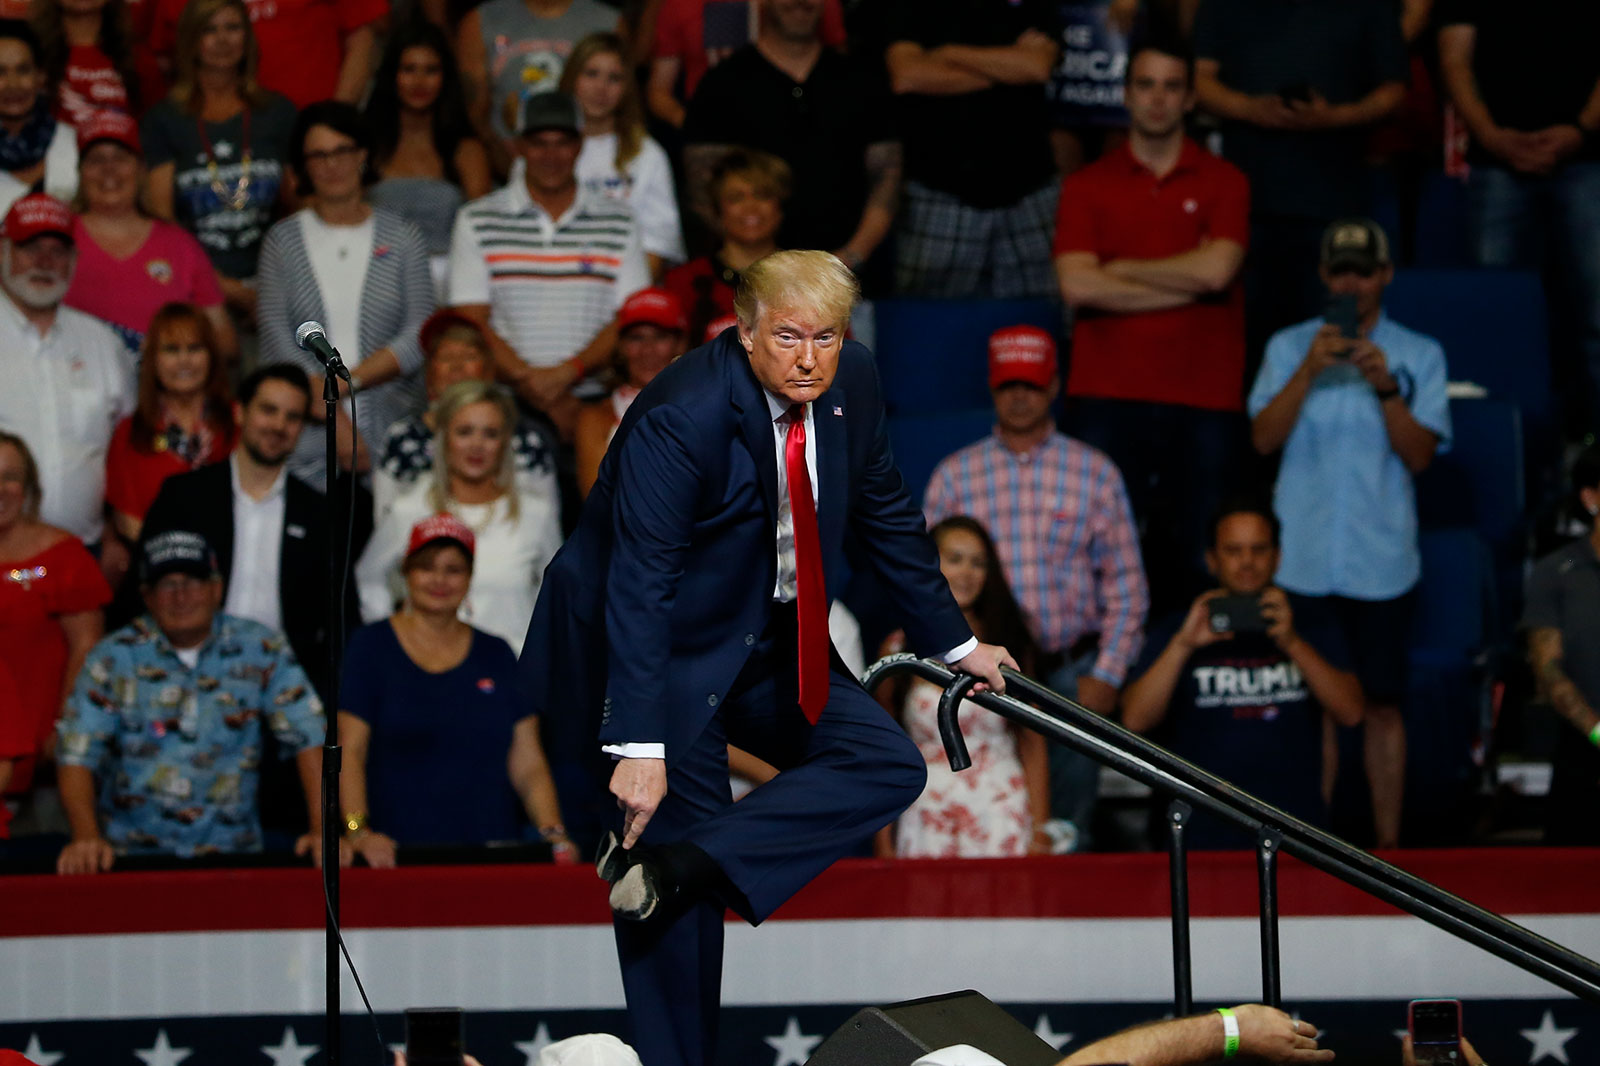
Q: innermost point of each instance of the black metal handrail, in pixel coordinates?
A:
(1192, 787)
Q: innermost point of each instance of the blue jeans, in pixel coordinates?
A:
(1074, 777)
(1529, 222)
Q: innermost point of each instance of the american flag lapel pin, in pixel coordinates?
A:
(838, 410)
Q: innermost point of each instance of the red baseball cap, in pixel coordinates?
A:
(110, 126)
(656, 306)
(1021, 353)
(35, 215)
(444, 319)
(441, 527)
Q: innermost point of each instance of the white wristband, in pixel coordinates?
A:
(1230, 1032)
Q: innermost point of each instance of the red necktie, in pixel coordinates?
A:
(811, 597)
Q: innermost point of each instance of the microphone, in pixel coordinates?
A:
(311, 337)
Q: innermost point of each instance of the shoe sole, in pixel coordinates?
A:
(635, 896)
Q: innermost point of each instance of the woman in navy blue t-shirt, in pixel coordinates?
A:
(439, 747)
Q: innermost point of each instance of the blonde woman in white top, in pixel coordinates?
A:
(619, 159)
(475, 480)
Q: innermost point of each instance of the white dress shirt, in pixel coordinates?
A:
(257, 551)
(63, 392)
(784, 588)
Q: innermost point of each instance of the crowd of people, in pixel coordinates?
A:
(1200, 518)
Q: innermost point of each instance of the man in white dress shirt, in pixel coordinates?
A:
(66, 380)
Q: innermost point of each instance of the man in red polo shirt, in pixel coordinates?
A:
(1149, 241)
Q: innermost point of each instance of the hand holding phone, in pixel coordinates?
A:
(1435, 1029)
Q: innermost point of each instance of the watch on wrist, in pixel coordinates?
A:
(355, 822)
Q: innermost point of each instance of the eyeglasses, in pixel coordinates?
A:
(333, 154)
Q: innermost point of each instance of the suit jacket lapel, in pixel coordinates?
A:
(827, 418)
(223, 497)
(755, 423)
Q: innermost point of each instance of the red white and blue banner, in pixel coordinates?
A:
(225, 967)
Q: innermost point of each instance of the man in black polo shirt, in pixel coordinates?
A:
(980, 180)
(1562, 618)
(1246, 700)
(825, 114)
(1297, 86)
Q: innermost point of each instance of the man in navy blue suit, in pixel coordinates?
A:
(692, 601)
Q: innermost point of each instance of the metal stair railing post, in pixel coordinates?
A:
(1136, 757)
(1178, 813)
(1268, 844)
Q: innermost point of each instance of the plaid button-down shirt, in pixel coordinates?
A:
(1061, 522)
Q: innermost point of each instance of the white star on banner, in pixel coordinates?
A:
(163, 1053)
(36, 1054)
(290, 1052)
(531, 1048)
(1044, 1032)
(793, 1046)
(223, 150)
(1547, 1040)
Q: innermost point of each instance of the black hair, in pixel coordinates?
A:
(450, 123)
(18, 30)
(1244, 505)
(1170, 45)
(1586, 469)
(1000, 619)
(284, 372)
(340, 117)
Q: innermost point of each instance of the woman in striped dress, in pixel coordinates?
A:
(360, 271)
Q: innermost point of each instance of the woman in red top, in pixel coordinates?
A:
(184, 419)
(749, 189)
(51, 592)
(88, 55)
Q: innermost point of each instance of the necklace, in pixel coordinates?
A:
(240, 196)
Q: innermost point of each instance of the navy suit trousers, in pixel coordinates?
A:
(839, 782)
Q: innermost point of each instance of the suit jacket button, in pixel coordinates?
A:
(749, 639)
(607, 704)
(711, 700)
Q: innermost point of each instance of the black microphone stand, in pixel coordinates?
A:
(332, 821)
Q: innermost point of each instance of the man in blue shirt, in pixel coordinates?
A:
(1358, 406)
(168, 712)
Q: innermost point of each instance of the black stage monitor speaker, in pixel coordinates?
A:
(901, 1033)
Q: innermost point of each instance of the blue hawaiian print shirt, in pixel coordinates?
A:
(177, 750)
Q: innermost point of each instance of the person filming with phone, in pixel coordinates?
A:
(1239, 683)
(1357, 404)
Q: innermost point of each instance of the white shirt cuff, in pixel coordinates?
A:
(961, 651)
(636, 751)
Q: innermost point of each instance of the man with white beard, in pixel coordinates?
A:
(64, 379)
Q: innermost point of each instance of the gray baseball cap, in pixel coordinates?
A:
(549, 111)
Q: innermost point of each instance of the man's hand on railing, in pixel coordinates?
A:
(1270, 1035)
(985, 662)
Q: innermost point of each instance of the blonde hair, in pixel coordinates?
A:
(799, 280)
(628, 121)
(450, 403)
(186, 55)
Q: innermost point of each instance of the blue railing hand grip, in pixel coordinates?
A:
(955, 745)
